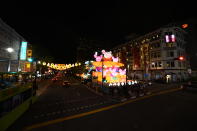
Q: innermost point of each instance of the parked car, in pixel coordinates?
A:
(54, 79)
(191, 85)
(4, 84)
(66, 84)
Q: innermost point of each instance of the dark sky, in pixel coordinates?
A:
(54, 28)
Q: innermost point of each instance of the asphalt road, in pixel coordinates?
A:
(175, 111)
(57, 101)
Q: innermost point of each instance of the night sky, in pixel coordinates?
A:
(55, 28)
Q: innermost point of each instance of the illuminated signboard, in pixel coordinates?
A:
(170, 38)
(23, 51)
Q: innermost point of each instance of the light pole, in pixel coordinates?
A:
(10, 50)
(181, 58)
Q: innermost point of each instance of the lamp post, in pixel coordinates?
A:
(10, 50)
(181, 58)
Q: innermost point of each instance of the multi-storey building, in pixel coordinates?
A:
(156, 55)
(13, 50)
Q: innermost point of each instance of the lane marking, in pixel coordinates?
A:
(97, 110)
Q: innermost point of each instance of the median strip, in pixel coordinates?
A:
(97, 110)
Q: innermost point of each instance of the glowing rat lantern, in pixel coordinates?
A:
(112, 72)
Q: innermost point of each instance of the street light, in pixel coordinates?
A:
(10, 50)
(180, 58)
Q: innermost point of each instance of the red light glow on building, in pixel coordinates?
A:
(181, 58)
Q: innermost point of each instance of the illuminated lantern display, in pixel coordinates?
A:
(39, 62)
(107, 67)
(44, 63)
(184, 26)
(62, 66)
(170, 38)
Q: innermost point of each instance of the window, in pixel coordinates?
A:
(168, 64)
(179, 63)
(156, 64)
(169, 44)
(159, 64)
(158, 45)
(178, 53)
(172, 64)
(158, 54)
(153, 65)
(155, 54)
(170, 53)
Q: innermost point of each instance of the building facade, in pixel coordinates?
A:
(158, 55)
(11, 50)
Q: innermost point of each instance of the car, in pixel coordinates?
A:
(4, 84)
(191, 85)
(66, 84)
(54, 79)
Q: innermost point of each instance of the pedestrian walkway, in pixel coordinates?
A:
(119, 95)
(157, 87)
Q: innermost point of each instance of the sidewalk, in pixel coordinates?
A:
(157, 87)
(154, 88)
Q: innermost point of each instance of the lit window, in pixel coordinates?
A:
(169, 44)
(168, 64)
